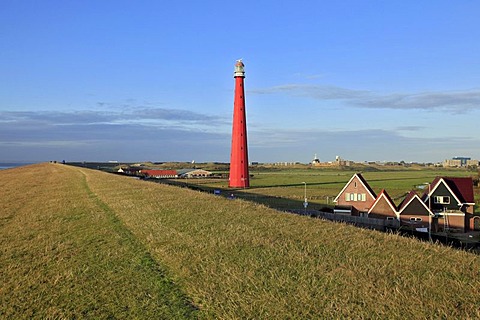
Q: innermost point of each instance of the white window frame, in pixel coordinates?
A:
(350, 196)
(441, 199)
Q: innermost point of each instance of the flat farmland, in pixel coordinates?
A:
(80, 243)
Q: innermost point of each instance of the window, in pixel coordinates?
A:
(415, 219)
(441, 199)
(390, 218)
(355, 197)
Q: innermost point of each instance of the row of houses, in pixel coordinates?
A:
(165, 174)
(447, 205)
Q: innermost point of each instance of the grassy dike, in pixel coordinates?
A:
(64, 254)
(78, 242)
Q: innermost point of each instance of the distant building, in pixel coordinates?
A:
(473, 163)
(460, 162)
(165, 174)
(286, 163)
(133, 171)
(159, 174)
(452, 163)
(463, 160)
(193, 173)
(339, 162)
(315, 160)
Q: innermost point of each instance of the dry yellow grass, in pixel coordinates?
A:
(64, 255)
(241, 260)
(236, 259)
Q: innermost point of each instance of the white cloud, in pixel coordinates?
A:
(173, 134)
(46, 144)
(450, 101)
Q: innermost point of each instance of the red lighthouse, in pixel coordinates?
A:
(239, 177)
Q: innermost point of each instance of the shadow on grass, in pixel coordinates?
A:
(297, 207)
(274, 202)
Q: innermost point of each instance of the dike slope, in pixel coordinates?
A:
(68, 233)
(65, 254)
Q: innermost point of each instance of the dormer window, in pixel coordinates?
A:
(441, 199)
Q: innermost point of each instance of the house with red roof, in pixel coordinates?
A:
(452, 201)
(414, 214)
(355, 198)
(383, 207)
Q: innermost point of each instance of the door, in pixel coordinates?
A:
(476, 223)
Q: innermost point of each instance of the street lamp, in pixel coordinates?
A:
(429, 213)
(305, 203)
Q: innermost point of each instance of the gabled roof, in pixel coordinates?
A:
(412, 196)
(386, 196)
(184, 171)
(407, 200)
(362, 181)
(461, 188)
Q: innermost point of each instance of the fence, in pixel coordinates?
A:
(379, 224)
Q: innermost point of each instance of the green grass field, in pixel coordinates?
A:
(78, 243)
(284, 189)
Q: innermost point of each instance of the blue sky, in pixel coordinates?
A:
(153, 80)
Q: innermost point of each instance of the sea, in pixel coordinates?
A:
(8, 165)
